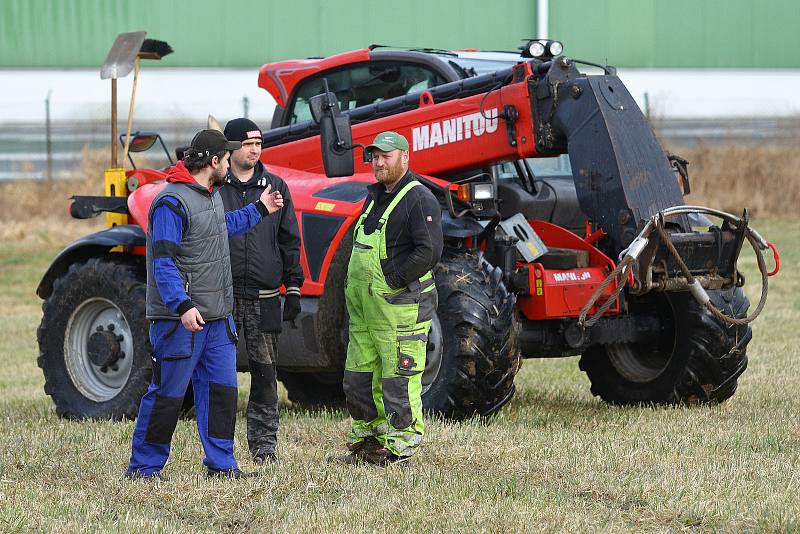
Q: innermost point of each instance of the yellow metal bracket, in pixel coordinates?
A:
(116, 186)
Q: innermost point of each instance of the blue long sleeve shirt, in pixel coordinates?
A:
(167, 225)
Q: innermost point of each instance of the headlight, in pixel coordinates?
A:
(542, 49)
(482, 191)
(536, 49)
(475, 192)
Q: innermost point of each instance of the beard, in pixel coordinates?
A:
(218, 177)
(246, 164)
(390, 174)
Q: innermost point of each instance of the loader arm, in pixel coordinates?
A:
(534, 109)
(622, 174)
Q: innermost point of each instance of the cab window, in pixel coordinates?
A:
(362, 85)
(558, 166)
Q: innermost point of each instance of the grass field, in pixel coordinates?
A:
(554, 459)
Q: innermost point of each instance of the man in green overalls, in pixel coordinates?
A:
(391, 298)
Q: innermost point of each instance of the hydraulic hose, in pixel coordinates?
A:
(656, 223)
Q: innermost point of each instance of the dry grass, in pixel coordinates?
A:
(555, 459)
(37, 212)
(763, 178)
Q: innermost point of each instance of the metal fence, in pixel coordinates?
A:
(24, 153)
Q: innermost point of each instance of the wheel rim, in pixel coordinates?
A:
(433, 356)
(98, 382)
(644, 362)
(629, 361)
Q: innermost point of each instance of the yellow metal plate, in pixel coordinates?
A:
(324, 206)
(116, 186)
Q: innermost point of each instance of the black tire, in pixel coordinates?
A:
(468, 372)
(480, 349)
(97, 292)
(697, 358)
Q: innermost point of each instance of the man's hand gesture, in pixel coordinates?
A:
(273, 200)
(192, 320)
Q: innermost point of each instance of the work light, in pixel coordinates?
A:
(542, 48)
(536, 49)
(474, 192)
(482, 191)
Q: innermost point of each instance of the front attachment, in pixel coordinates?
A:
(622, 174)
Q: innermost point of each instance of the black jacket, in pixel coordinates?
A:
(413, 231)
(269, 254)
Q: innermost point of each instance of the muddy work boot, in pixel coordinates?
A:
(383, 457)
(357, 453)
(150, 477)
(265, 458)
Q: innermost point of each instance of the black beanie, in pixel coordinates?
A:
(242, 130)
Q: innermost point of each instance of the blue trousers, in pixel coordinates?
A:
(208, 359)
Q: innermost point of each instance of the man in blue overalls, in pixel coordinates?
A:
(189, 304)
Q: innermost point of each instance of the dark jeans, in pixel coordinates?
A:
(262, 348)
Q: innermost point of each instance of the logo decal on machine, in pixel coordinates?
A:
(454, 130)
(572, 277)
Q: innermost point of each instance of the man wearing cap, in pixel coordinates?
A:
(189, 304)
(391, 300)
(262, 260)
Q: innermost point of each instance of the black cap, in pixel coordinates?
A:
(242, 130)
(209, 142)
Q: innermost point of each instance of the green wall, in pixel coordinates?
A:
(680, 33)
(247, 33)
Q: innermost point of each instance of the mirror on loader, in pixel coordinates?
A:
(336, 135)
(141, 142)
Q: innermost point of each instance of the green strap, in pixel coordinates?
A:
(388, 211)
(369, 208)
(394, 202)
(398, 198)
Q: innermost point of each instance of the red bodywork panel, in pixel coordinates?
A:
(280, 79)
(443, 137)
(302, 186)
(557, 293)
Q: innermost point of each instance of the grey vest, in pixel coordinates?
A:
(203, 259)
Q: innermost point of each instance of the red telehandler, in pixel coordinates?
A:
(565, 234)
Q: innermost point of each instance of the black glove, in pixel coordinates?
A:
(270, 314)
(291, 307)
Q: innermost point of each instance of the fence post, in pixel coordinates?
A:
(48, 138)
(246, 105)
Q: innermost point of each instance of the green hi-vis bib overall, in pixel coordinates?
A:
(388, 338)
